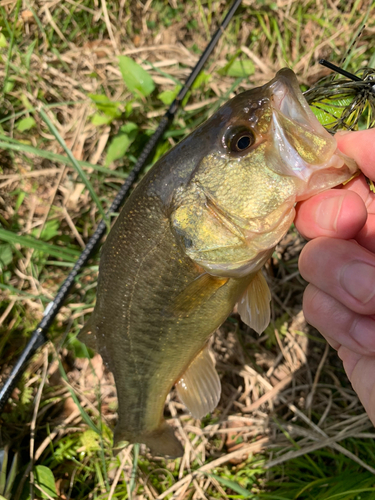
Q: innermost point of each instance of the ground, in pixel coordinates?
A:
(288, 424)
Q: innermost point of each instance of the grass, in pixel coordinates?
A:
(71, 128)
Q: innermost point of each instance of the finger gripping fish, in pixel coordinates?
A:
(190, 243)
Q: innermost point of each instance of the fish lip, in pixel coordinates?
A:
(287, 99)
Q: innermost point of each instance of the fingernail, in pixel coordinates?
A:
(343, 132)
(327, 213)
(358, 280)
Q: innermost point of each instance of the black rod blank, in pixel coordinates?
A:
(340, 71)
(39, 335)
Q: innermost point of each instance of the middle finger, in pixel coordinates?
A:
(342, 269)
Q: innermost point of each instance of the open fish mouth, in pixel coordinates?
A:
(290, 102)
(301, 143)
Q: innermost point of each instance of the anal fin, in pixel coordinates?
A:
(254, 305)
(199, 388)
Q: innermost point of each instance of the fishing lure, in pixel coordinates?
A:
(345, 104)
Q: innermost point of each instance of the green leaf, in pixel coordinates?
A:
(135, 77)
(25, 124)
(9, 86)
(238, 68)
(45, 479)
(121, 142)
(80, 350)
(50, 230)
(99, 119)
(130, 128)
(90, 440)
(106, 105)
(3, 41)
(168, 96)
(201, 80)
(6, 255)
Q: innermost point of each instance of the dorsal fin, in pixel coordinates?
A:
(199, 387)
(254, 306)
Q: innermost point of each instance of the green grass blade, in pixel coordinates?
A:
(134, 469)
(11, 42)
(3, 470)
(84, 414)
(21, 294)
(232, 485)
(30, 242)
(12, 475)
(75, 163)
(14, 145)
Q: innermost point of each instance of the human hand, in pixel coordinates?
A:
(339, 264)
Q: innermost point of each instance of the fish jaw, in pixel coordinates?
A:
(305, 149)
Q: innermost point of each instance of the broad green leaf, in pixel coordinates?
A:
(99, 119)
(106, 106)
(45, 479)
(238, 68)
(121, 142)
(25, 124)
(3, 41)
(168, 96)
(130, 128)
(25, 101)
(50, 230)
(6, 255)
(135, 77)
(9, 86)
(80, 350)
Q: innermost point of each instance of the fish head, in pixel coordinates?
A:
(264, 151)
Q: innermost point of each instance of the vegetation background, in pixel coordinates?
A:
(288, 425)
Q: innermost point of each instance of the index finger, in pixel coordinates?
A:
(360, 146)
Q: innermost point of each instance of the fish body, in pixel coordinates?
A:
(189, 244)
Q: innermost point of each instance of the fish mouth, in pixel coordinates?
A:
(289, 101)
(300, 143)
(300, 146)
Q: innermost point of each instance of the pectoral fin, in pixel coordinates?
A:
(196, 293)
(199, 387)
(254, 306)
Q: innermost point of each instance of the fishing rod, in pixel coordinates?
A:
(39, 335)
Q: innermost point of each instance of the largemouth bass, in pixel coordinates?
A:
(190, 243)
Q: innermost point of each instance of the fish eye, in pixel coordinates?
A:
(241, 140)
